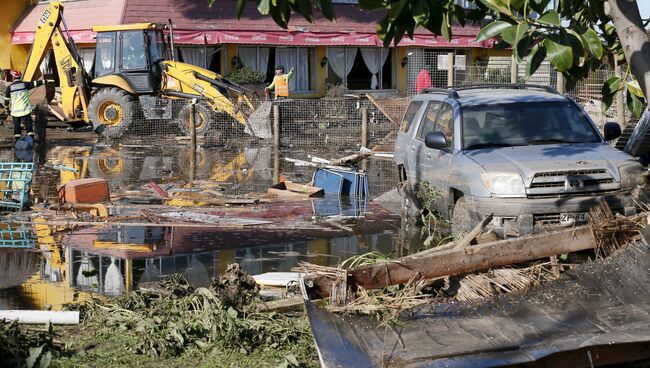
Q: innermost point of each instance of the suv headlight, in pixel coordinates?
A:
(632, 175)
(504, 184)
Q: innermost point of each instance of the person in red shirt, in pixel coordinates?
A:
(423, 81)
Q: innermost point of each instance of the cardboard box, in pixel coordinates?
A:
(91, 190)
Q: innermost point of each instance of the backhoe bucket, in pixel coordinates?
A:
(259, 122)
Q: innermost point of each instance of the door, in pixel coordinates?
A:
(134, 64)
(434, 164)
(417, 150)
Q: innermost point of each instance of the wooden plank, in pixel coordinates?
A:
(285, 305)
(469, 259)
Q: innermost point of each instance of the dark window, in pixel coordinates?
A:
(428, 121)
(526, 123)
(411, 111)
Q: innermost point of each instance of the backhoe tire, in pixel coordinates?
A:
(112, 111)
(202, 119)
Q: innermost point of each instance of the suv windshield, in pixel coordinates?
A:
(524, 124)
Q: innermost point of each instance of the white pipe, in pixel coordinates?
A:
(40, 317)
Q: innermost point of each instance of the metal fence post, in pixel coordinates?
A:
(560, 83)
(276, 127)
(192, 141)
(513, 70)
(364, 127)
(450, 69)
(620, 101)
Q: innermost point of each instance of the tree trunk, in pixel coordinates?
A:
(636, 46)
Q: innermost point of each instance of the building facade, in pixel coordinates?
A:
(323, 54)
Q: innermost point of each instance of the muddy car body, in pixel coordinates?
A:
(525, 154)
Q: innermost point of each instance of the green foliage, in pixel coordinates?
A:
(175, 318)
(21, 347)
(335, 90)
(428, 195)
(244, 74)
(363, 260)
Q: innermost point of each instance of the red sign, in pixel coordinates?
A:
(25, 38)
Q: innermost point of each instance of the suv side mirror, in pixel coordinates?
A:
(435, 140)
(611, 131)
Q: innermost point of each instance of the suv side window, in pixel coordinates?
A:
(428, 121)
(411, 111)
(445, 124)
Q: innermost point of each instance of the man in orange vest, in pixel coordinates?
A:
(280, 82)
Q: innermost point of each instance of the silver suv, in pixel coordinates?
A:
(526, 154)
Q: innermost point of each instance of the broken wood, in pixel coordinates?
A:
(469, 259)
(285, 305)
(314, 164)
(478, 229)
(158, 190)
(291, 189)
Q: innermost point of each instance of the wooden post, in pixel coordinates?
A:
(192, 142)
(450, 69)
(560, 83)
(276, 127)
(513, 69)
(620, 102)
(276, 165)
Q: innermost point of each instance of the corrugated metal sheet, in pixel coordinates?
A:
(196, 14)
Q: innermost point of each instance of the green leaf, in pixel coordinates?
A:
(445, 27)
(476, 14)
(608, 91)
(523, 47)
(551, 17)
(492, 30)
(634, 104)
(264, 7)
(34, 353)
(561, 56)
(372, 4)
(241, 4)
(305, 9)
(496, 5)
(575, 41)
(46, 360)
(592, 43)
(396, 9)
(459, 13)
(326, 8)
(535, 59)
(635, 88)
(420, 12)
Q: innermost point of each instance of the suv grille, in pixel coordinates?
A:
(571, 182)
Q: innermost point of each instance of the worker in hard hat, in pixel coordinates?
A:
(280, 84)
(17, 101)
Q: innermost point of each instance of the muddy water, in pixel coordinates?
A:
(62, 267)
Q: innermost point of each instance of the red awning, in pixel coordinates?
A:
(282, 38)
(333, 39)
(27, 38)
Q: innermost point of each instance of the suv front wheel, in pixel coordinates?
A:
(461, 220)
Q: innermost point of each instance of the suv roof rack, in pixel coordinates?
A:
(452, 92)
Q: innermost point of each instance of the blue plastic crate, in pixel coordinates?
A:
(344, 183)
(15, 184)
(16, 237)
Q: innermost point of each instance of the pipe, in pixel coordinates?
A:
(171, 38)
(183, 95)
(34, 317)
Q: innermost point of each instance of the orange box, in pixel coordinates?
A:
(91, 190)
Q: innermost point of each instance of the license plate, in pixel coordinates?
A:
(574, 218)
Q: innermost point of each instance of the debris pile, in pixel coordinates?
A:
(174, 317)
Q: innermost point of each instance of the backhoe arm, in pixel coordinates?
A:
(74, 87)
(205, 84)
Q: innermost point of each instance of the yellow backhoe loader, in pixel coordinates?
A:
(136, 78)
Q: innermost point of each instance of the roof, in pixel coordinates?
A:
(196, 14)
(492, 96)
(79, 15)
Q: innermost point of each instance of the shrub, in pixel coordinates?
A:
(244, 74)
